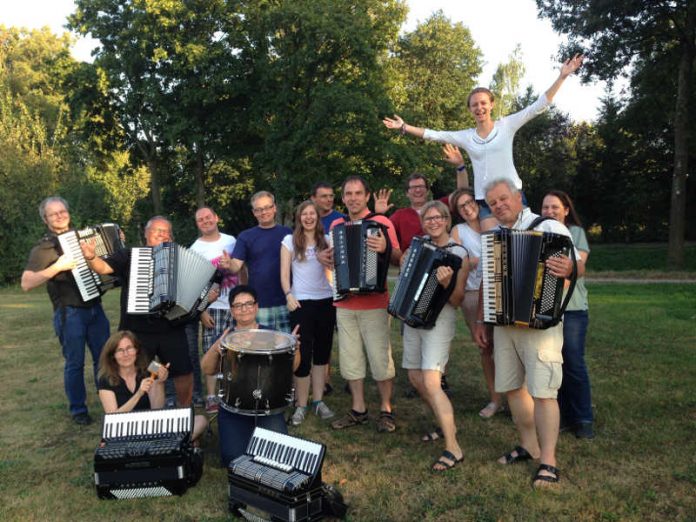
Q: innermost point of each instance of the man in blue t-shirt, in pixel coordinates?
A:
(258, 249)
(323, 197)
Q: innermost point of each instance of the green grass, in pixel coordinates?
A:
(642, 465)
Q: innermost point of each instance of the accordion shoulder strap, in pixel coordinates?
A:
(537, 221)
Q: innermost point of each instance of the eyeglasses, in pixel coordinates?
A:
(123, 351)
(432, 219)
(243, 306)
(467, 203)
(58, 213)
(416, 187)
(261, 210)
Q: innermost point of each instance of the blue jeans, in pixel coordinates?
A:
(235, 430)
(574, 396)
(75, 327)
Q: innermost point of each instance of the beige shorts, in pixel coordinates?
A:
(534, 355)
(429, 349)
(368, 329)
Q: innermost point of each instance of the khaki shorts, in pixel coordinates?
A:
(368, 328)
(521, 353)
(429, 349)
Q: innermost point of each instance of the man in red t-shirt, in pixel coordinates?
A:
(363, 322)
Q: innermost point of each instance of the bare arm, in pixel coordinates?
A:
(232, 264)
(96, 263)
(108, 397)
(210, 363)
(460, 286)
(569, 67)
(285, 269)
(31, 280)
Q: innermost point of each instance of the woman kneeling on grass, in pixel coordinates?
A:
(426, 351)
(124, 383)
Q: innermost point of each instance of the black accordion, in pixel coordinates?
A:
(517, 287)
(146, 453)
(418, 297)
(107, 237)
(357, 269)
(279, 475)
(168, 280)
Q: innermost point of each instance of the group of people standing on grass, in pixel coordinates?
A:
(276, 278)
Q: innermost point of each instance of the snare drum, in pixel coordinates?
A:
(256, 375)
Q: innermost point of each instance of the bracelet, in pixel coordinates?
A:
(461, 168)
(402, 129)
(90, 258)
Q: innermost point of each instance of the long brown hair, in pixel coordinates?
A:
(108, 367)
(572, 217)
(299, 240)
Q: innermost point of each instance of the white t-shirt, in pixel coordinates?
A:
(471, 240)
(212, 251)
(308, 276)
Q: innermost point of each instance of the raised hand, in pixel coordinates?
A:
(571, 65)
(452, 155)
(395, 123)
(381, 199)
(225, 261)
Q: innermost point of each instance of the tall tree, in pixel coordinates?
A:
(433, 69)
(506, 83)
(615, 35)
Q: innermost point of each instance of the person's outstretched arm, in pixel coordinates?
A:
(569, 67)
(400, 124)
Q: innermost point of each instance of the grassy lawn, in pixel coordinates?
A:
(636, 256)
(641, 466)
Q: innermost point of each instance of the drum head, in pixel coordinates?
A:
(259, 341)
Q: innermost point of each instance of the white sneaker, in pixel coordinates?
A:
(299, 416)
(323, 411)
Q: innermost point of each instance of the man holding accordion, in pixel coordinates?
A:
(528, 360)
(76, 322)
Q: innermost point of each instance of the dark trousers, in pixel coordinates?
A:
(574, 396)
(317, 319)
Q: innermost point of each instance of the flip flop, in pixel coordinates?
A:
(490, 409)
(448, 464)
(432, 436)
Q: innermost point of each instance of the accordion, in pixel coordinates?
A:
(146, 454)
(357, 269)
(418, 297)
(279, 475)
(517, 287)
(107, 238)
(169, 280)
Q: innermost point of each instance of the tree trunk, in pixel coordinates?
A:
(677, 212)
(155, 191)
(199, 170)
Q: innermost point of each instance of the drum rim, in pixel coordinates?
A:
(253, 413)
(267, 351)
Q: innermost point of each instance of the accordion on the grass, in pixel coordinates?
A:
(168, 280)
(418, 297)
(517, 287)
(107, 239)
(357, 269)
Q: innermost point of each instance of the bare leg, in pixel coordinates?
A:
(547, 417)
(357, 392)
(318, 376)
(444, 413)
(183, 384)
(301, 391)
(522, 409)
(200, 423)
(385, 393)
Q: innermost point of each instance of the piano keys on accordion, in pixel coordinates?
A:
(517, 287)
(146, 454)
(280, 475)
(169, 280)
(107, 237)
(357, 269)
(418, 297)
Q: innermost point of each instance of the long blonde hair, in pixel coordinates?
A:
(299, 240)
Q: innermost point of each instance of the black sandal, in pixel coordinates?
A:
(448, 464)
(522, 455)
(432, 436)
(546, 479)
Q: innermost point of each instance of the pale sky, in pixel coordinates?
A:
(497, 26)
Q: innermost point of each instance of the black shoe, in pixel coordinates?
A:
(328, 389)
(583, 430)
(83, 419)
